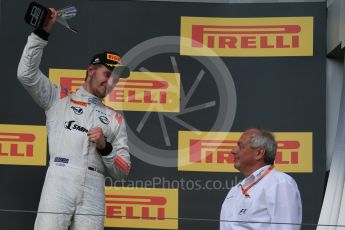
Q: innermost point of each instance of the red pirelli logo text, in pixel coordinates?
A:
(251, 36)
(22, 145)
(152, 92)
(142, 92)
(13, 141)
(141, 208)
(135, 207)
(212, 151)
(289, 36)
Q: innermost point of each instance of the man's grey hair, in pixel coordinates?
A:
(265, 139)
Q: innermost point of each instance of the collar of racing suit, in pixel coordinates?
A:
(90, 97)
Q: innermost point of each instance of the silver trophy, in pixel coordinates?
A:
(65, 14)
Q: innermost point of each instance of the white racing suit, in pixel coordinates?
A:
(73, 191)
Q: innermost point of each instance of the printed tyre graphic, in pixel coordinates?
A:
(209, 103)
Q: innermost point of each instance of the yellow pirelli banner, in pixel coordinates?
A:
(247, 37)
(211, 151)
(142, 91)
(141, 208)
(23, 145)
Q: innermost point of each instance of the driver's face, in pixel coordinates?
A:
(99, 79)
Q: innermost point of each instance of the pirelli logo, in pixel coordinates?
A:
(141, 208)
(252, 37)
(143, 91)
(211, 151)
(23, 145)
(113, 57)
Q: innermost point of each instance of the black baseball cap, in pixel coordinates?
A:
(113, 62)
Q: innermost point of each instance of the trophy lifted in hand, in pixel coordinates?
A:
(36, 15)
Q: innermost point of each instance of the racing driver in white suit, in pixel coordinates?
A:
(85, 137)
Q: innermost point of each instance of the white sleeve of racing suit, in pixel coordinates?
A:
(118, 162)
(43, 91)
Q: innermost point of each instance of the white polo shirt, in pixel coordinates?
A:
(275, 198)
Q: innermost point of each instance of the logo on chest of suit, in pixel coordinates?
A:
(77, 110)
(104, 120)
(71, 125)
(93, 100)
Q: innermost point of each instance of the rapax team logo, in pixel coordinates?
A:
(23, 145)
(141, 208)
(281, 36)
(211, 151)
(143, 91)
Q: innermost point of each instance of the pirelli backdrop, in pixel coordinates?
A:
(201, 74)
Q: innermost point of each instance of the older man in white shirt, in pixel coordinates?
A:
(266, 198)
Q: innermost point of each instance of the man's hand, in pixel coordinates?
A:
(96, 136)
(50, 21)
